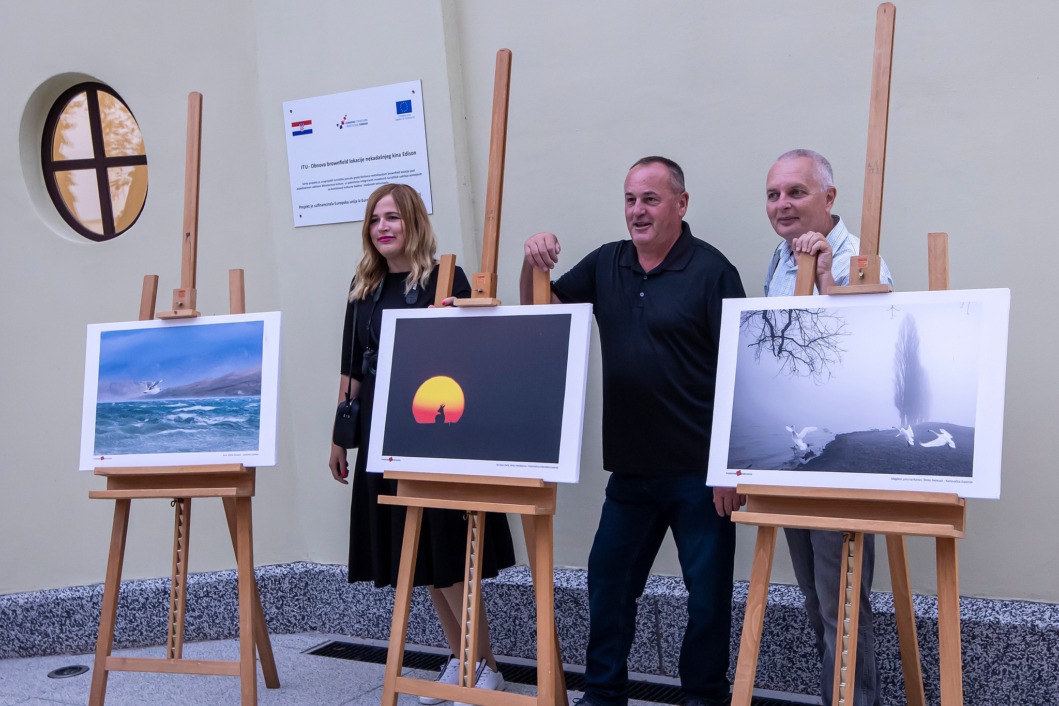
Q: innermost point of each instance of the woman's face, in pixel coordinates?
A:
(387, 234)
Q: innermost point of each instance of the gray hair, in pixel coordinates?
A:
(676, 174)
(824, 174)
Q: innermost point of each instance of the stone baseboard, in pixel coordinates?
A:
(1010, 648)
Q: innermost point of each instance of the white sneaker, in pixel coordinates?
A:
(448, 675)
(486, 679)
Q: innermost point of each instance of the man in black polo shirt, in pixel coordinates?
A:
(657, 301)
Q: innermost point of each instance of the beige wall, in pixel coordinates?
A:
(721, 87)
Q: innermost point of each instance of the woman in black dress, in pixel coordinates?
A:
(398, 271)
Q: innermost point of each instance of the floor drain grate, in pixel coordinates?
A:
(514, 673)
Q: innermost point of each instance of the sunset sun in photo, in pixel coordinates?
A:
(431, 395)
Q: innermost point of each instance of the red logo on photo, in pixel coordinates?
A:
(739, 472)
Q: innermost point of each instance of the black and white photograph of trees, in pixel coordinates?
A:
(888, 390)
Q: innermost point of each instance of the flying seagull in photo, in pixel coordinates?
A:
(944, 438)
(907, 433)
(151, 388)
(798, 437)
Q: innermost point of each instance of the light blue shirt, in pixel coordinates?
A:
(783, 269)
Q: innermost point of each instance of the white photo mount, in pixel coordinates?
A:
(519, 376)
(845, 413)
(149, 383)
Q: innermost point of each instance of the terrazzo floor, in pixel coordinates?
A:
(304, 679)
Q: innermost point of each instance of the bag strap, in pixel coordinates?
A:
(352, 349)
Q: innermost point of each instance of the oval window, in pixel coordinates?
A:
(94, 161)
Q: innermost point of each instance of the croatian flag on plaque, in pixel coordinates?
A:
(302, 127)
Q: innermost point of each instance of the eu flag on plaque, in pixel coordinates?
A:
(404, 107)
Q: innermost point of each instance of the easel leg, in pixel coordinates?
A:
(245, 562)
(551, 686)
(754, 618)
(105, 641)
(848, 618)
(178, 586)
(906, 620)
(538, 531)
(261, 636)
(949, 623)
(402, 604)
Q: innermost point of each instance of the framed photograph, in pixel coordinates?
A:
(901, 391)
(496, 391)
(181, 392)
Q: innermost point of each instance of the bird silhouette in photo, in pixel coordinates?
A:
(944, 438)
(151, 388)
(907, 432)
(798, 437)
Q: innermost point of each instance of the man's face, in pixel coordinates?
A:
(653, 210)
(796, 201)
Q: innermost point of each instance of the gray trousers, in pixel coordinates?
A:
(817, 559)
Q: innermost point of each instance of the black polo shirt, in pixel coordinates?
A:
(659, 332)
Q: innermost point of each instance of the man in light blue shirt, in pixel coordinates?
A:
(800, 193)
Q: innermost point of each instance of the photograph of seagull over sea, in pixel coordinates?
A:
(188, 392)
(900, 391)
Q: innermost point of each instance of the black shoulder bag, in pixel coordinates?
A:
(347, 419)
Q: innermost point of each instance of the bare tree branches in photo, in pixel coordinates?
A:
(805, 342)
(911, 387)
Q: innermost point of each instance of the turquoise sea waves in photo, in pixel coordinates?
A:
(185, 425)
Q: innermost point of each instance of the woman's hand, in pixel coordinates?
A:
(447, 301)
(338, 465)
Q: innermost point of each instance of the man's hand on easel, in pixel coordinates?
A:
(814, 243)
(542, 250)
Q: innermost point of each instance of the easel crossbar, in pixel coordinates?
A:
(156, 493)
(211, 469)
(170, 484)
(173, 666)
(877, 512)
(466, 694)
(845, 524)
(483, 496)
(467, 505)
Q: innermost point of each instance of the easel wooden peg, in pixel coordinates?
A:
(533, 499)
(233, 483)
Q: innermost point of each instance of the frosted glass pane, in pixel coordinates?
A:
(73, 136)
(80, 193)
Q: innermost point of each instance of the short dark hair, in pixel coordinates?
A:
(676, 174)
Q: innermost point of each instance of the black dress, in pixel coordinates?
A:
(376, 531)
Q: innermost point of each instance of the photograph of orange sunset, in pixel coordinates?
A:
(439, 400)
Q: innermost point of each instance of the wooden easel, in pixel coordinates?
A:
(533, 499)
(856, 512)
(233, 483)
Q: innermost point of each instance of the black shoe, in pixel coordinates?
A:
(699, 701)
(587, 700)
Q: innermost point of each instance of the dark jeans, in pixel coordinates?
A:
(636, 514)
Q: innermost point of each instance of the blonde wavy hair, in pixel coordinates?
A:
(420, 242)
